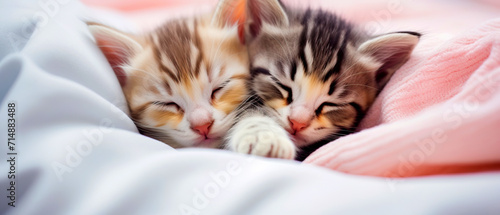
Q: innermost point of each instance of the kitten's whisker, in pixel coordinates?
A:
(362, 85)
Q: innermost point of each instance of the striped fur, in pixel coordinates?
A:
(283, 80)
(185, 81)
(314, 70)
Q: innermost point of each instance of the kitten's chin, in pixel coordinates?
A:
(208, 143)
(299, 140)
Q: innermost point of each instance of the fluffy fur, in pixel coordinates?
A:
(185, 81)
(269, 80)
(315, 74)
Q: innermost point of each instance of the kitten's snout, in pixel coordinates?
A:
(203, 129)
(297, 126)
(201, 121)
(300, 118)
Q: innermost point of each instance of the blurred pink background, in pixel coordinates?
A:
(377, 16)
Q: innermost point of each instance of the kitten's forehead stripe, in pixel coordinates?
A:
(280, 68)
(324, 38)
(161, 66)
(293, 70)
(167, 87)
(197, 43)
(333, 85)
(303, 39)
(340, 57)
(177, 36)
(329, 38)
(198, 65)
(322, 44)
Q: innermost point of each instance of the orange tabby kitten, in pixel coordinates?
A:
(185, 81)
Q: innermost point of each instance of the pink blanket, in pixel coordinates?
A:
(440, 113)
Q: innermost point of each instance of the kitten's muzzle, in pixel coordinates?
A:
(300, 118)
(203, 129)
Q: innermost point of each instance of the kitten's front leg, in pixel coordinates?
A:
(261, 135)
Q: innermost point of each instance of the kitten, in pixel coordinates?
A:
(315, 74)
(185, 81)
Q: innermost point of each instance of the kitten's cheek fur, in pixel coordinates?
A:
(258, 135)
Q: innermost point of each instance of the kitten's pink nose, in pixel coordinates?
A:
(201, 120)
(298, 126)
(203, 129)
(300, 118)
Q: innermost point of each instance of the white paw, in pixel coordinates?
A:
(261, 136)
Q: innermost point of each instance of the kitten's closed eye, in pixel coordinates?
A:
(327, 107)
(259, 70)
(288, 90)
(167, 106)
(217, 90)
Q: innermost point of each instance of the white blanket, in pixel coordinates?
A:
(76, 152)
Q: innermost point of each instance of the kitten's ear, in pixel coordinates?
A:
(230, 12)
(260, 12)
(392, 50)
(117, 46)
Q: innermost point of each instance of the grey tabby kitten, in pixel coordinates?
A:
(314, 74)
